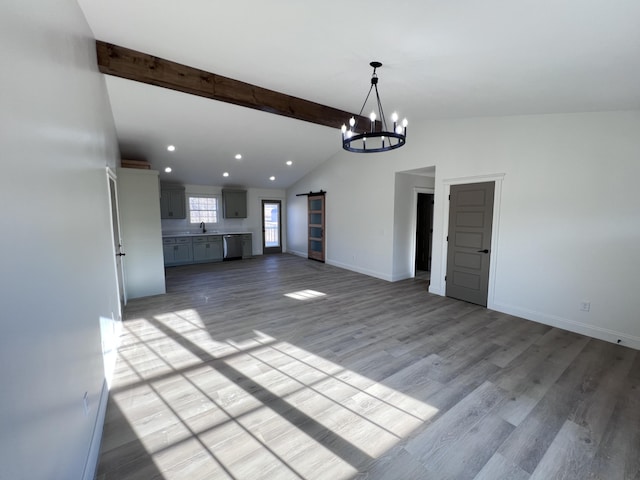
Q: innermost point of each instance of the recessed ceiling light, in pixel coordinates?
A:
(171, 148)
(225, 174)
(289, 162)
(168, 169)
(272, 178)
(238, 157)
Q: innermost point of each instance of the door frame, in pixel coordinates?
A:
(497, 200)
(265, 249)
(414, 224)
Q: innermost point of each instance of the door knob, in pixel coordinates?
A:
(120, 254)
(483, 251)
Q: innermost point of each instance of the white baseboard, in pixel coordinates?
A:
(297, 253)
(396, 277)
(91, 464)
(364, 271)
(436, 289)
(571, 325)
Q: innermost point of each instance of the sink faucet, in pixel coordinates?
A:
(202, 227)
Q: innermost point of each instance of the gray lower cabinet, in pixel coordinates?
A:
(207, 248)
(177, 250)
(196, 249)
(247, 246)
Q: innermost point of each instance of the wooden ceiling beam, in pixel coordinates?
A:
(141, 67)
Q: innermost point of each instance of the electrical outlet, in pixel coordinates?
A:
(585, 306)
(85, 403)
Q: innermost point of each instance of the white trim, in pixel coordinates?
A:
(495, 229)
(414, 227)
(437, 290)
(91, 464)
(571, 325)
(364, 271)
(353, 268)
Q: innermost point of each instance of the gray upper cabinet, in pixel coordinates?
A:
(234, 203)
(172, 202)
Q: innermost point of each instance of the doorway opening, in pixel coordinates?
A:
(271, 226)
(424, 236)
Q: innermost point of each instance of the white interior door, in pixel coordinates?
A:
(117, 242)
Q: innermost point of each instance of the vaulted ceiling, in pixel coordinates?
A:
(441, 60)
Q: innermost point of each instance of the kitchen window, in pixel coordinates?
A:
(203, 209)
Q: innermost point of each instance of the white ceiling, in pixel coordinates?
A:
(441, 59)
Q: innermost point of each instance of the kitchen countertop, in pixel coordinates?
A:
(200, 234)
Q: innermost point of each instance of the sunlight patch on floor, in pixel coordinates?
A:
(252, 406)
(305, 295)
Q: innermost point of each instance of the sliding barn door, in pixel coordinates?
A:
(316, 227)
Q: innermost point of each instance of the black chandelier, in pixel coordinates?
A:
(376, 139)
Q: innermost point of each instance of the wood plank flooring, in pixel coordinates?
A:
(279, 367)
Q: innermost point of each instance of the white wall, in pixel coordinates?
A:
(58, 271)
(139, 201)
(252, 224)
(569, 218)
(359, 211)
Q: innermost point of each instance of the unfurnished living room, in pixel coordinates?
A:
(281, 240)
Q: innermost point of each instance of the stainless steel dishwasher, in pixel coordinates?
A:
(232, 247)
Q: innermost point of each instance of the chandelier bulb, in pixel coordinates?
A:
(352, 121)
(405, 123)
(373, 116)
(344, 128)
(394, 117)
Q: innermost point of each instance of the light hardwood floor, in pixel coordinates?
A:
(280, 367)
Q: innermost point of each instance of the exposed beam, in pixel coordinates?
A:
(141, 67)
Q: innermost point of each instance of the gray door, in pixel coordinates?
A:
(469, 241)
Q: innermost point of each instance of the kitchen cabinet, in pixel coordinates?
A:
(247, 246)
(207, 248)
(234, 203)
(177, 250)
(190, 249)
(172, 202)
